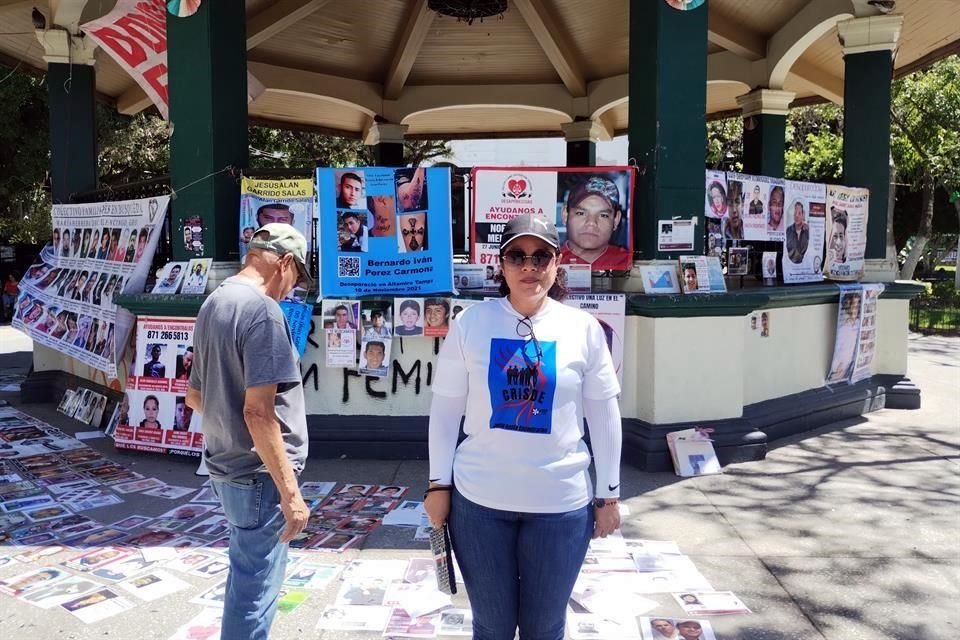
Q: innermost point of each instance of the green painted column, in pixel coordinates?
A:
(386, 142)
(73, 129)
(765, 114)
(866, 137)
(581, 153)
(207, 75)
(581, 137)
(668, 95)
(763, 149)
(868, 45)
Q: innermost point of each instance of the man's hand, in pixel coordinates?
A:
(296, 513)
(606, 520)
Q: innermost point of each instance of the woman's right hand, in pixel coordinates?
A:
(437, 507)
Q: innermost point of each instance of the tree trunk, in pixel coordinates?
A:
(922, 237)
(891, 202)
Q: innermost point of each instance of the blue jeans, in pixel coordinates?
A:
(257, 559)
(519, 568)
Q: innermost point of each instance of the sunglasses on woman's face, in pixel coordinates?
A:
(538, 260)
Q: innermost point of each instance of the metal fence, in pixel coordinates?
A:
(929, 314)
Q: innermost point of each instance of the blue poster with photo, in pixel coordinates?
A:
(522, 376)
(385, 231)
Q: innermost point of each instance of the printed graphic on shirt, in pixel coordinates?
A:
(522, 384)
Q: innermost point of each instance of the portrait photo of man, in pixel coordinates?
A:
(593, 215)
(274, 212)
(354, 234)
(350, 190)
(798, 234)
(373, 356)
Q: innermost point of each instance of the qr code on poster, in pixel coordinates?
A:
(348, 266)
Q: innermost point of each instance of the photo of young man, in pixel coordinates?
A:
(350, 190)
(593, 215)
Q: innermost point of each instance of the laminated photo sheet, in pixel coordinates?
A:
(59, 592)
(97, 605)
(124, 569)
(403, 625)
(96, 558)
(354, 618)
(586, 626)
(188, 561)
(706, 603)
(32, 580)
(311, 575)
(153, 585)
(456, 622)
(654, 628)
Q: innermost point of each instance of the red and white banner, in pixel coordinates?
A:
(134, 34)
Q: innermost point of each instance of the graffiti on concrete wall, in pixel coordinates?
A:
(346, 392)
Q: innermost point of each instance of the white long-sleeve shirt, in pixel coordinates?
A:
(524, 398)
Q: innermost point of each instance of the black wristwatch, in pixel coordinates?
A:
(600, 503)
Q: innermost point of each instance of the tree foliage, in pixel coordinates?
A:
(24, 157)
(137, 148)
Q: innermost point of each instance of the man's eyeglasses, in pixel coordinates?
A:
(539, 260)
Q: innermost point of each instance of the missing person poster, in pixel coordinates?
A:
(762, 206)
(849, 316)
(590, 206)
(847, 210)
(867, 343)
(98, 251)
(610, 310)
(803, 243)
(716, 203)
(385, 231)
(266, 201)
(154, 415)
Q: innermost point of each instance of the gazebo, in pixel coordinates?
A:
(587, 70)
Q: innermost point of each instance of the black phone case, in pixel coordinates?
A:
(443, 559)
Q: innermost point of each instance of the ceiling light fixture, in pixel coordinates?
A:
(468, 10)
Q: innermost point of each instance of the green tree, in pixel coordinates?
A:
(925, 112)
(24, 158)
(814, 150)
(725, 144)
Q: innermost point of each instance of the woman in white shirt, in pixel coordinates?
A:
(517, 495)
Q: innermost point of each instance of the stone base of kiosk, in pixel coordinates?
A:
(740, 439)
(688, 361)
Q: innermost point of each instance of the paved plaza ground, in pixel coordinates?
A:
(849, 532)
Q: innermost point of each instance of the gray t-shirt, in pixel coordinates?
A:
(242, 340)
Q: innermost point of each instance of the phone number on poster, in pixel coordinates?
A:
(168, 335)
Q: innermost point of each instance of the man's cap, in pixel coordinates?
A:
(595, 186)
(528, 224)
(282, 239)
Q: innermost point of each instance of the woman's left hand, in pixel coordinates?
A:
(606, 520)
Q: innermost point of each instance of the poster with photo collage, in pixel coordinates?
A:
(385, 231)
(97, 251)
(154, 415)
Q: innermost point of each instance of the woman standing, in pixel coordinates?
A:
(517, 493)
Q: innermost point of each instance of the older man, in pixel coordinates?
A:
(246, 383)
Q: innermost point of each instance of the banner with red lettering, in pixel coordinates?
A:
(590, 207)
(154, 414)
(134, 34)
